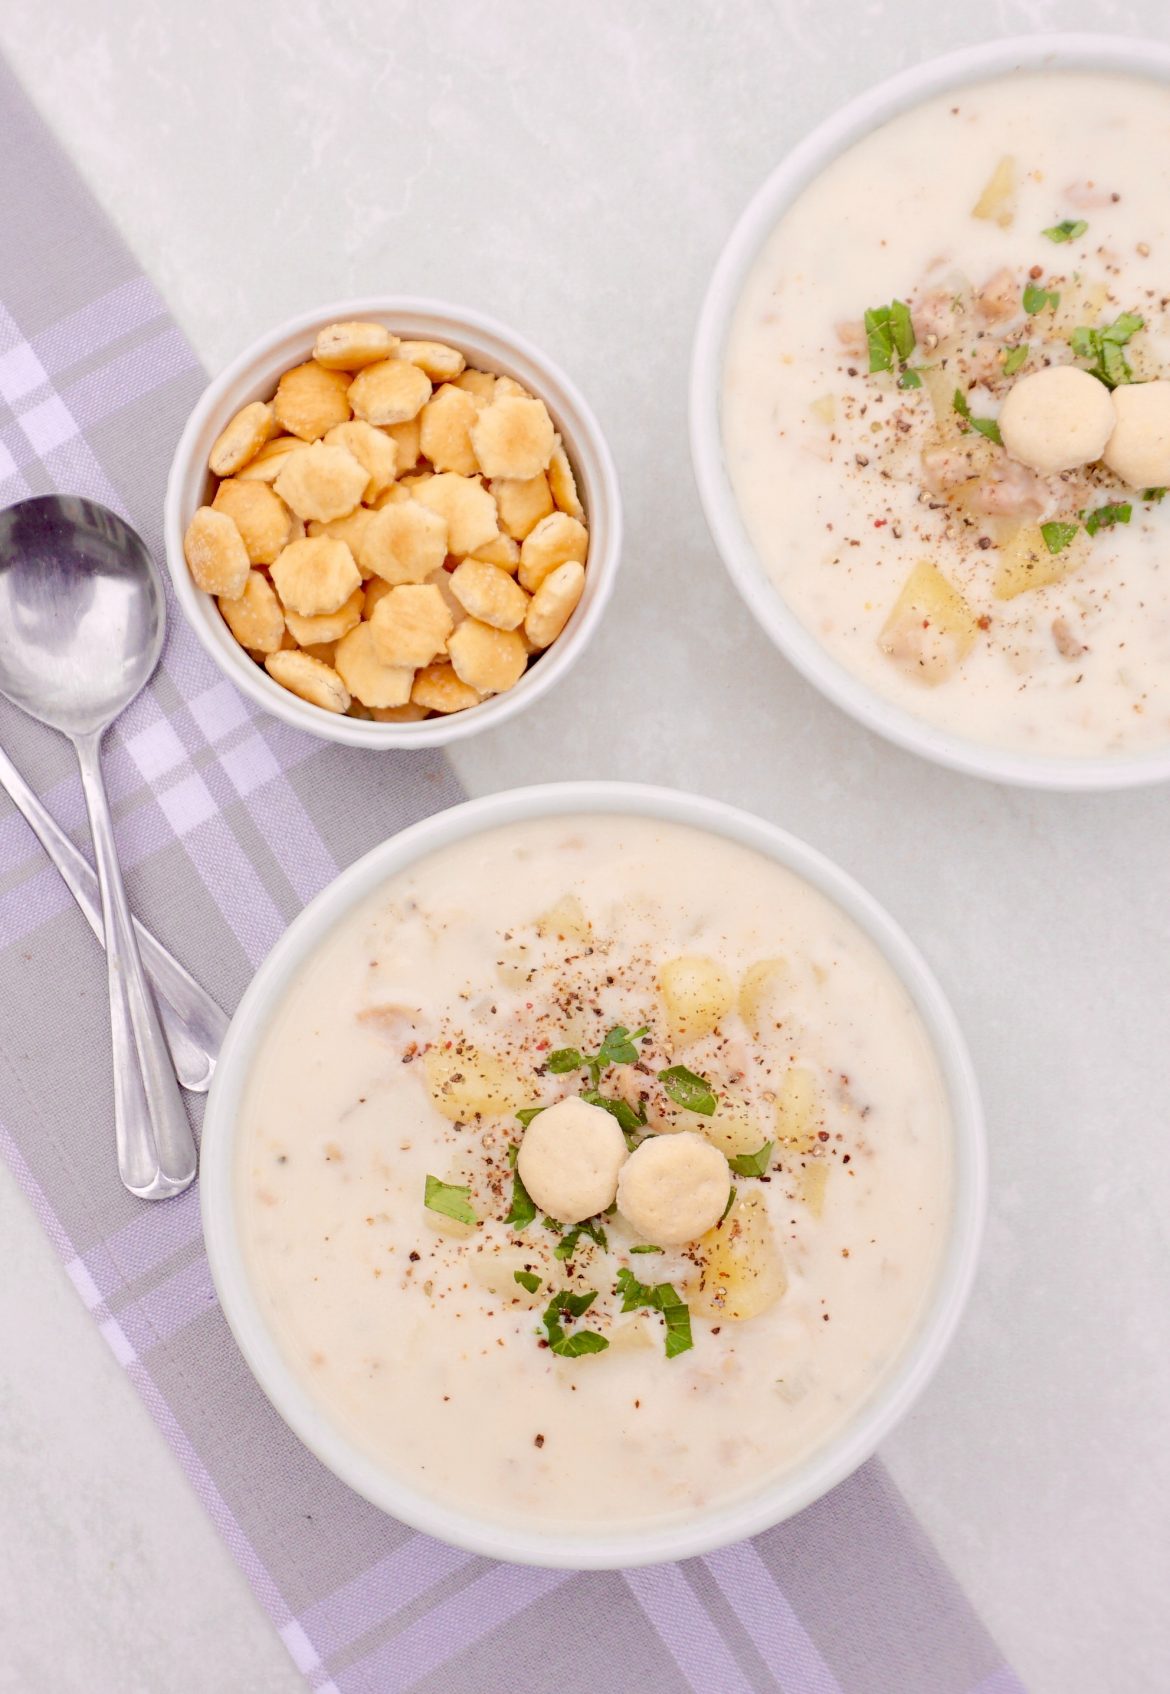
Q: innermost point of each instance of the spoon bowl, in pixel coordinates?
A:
(82, 620)
(82, 610)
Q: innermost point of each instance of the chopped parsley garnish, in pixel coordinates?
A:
(449, 1199)
(617, 1049)
(1103, 348)
(1068, 229)
(676, 1315)
(984, 426)
(633, 1292)
(664, 1298)
(527, 1279)
(645, 1247)
(1015, 358)
(526, 1115)
(563, 1308)
(730, 1202)
(1057, 535)
(753, 1164)
(1104, 517)
(889, 335)
(1037, 298)
(574, 1346)
(687, 1089)
(523, 1208)
(567, 1244)
(629, 1121)
(1153, 495)
(562, 1060)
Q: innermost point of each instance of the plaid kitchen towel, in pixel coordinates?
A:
(228, 824)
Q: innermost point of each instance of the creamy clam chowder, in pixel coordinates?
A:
(618, 984)
(980, 542)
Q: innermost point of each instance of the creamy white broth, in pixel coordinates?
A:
(838, 536)
(442, 1379)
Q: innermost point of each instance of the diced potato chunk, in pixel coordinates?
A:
(931, 628)
(1026, 563)
(565, 920)
(997, 203)
(697, 993)
(798, 1113)
(1081, 302)
(465, 1083)
(732, 1128)
(814, 1177)
(939, 383)
(741, 1273)
(443, 1225)
(497, 1273)
(762, 993)
(633, 1335)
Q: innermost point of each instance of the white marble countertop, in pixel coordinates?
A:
(573, 169)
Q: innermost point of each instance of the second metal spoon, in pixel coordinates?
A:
(194, 1026)
(82, 618)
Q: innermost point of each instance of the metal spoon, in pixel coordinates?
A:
(193, 1024)
(82, 618)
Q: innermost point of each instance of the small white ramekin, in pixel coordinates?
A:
(774, 1501)
(254, 375)
(1101, 53)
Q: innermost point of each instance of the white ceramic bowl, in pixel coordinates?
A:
(775, 1501)
(805, 163)
(254, 375)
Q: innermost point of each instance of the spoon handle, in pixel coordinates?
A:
(156, 1150)
(193, 1024)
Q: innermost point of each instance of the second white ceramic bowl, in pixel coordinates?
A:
(1097, 53)
(254, 375)
(775, 1500)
